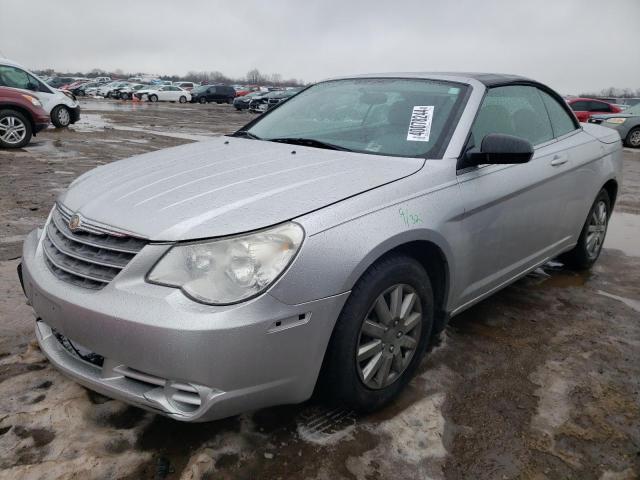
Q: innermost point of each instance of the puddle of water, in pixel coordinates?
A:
(94, 122)
(91, 122)
(622, 233)
(629, 302)
(186, 136)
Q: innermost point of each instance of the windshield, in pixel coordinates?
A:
(635, 110)
(385, 116)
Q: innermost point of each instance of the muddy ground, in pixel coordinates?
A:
(541, 381)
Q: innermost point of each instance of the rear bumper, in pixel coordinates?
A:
(224, 360)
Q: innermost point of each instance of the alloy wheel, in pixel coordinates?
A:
(634, 138)
(389, 336)
(597, 229)
(63, 116)
(12, 130)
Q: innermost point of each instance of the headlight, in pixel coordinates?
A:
(616, 120)
(229, 270)
(33, 100)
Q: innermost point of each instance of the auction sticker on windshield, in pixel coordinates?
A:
(420, 124)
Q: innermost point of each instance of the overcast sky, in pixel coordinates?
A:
(572, 45)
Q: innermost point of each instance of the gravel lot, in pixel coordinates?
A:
(541, 381)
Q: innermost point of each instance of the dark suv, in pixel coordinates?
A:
(213, 93)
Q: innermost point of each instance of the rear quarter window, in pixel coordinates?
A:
(561, 122)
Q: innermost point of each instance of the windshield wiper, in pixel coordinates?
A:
(246, 134)
(309, 142)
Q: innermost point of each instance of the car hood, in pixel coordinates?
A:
(224, 186)
(603, 116)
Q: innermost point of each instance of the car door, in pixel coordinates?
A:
(164, 94)
(581, 109)
(514, 214)
(596, 107)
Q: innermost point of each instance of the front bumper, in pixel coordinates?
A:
(168, 354)
(75, 113)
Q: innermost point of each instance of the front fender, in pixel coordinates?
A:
(332, 260)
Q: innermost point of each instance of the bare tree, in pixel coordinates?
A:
(254, 76)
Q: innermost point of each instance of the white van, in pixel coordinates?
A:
(61, 106)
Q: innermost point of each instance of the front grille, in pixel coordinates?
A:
(89, 257)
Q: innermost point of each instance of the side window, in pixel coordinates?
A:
(212, 89)
(599, 107)
(561, 122)
(513, 110)
(579, 106)
(13, 77)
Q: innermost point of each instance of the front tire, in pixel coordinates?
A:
(153, 98)
(202, 100)
(592, 236)
(183, 99)
(15, 129)
(381, 335)
(633, 138)
(61, 116)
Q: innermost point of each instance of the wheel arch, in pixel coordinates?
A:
(23, 111)
(431, 254)
(611, 187)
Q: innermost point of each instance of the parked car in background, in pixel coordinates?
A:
(185, 85)
(262, 103)
(126, 93)
(242, 102)
(585, 107)
(81, 90)
(106, 90)
(62, 107)
(242, 90)
(275, 98)
(91, 90)
(213, 93)
(21, 117)
(323, 246)
(74, 86)
(57, 82)
(164, 93)
(102, 79)
(627, 123)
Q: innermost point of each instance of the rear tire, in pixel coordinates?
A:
(61, 116)
(15, 129)
(633, 138)
(592, 236)
(202, 100)
(351, 373)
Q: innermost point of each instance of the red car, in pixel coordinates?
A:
(585, 107)
(21, 116)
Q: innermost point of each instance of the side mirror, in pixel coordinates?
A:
(500, 149)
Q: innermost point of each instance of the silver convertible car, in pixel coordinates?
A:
(321, 247)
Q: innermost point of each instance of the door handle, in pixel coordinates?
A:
(558, 160)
